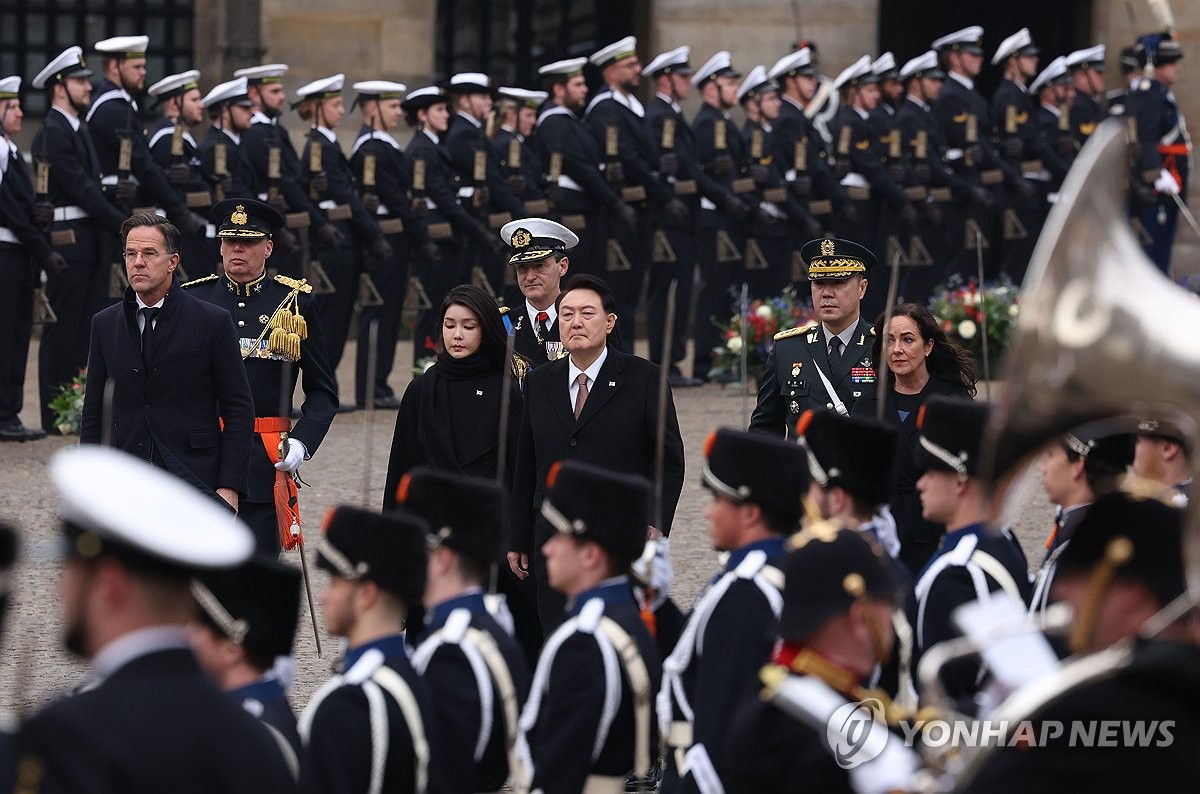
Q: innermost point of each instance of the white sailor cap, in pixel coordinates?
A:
(10, 87)
(969, 39)
(231, 91)
(470, 83)
(798, 62)
(267, 73)
(175, 84)
(755, 83)
(924, 65)
(534, 239)
(325, 88)
(571, 67)
(1092, 57)
(533, 99)
(421, 98)
(617, 51)
(170, 523)
(1019, 43)
(856, 73)
(720, 65)
(672, 62)
(1055, 72)
(123, 47)
(69, 63)
(884, 67)
(379, 89)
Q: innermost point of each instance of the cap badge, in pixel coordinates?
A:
(521, 238)
(827, 248)
(239, 216)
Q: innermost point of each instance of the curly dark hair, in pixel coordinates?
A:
(947, 359)
(483, 306)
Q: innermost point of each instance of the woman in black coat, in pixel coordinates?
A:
(921, 362)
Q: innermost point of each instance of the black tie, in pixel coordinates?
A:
(835, 352)
(148, 315)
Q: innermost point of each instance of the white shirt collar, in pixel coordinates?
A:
(433, 136)
(233, 136)
(260, 118)
(329, 134)
(629, 101)
(1017, 82)
(917, 101)
(476, 123)
(1053, 109)
(550, 311)
(134, 645)
(846, 335)
(862, 114)
(591, 372)
(143, 305)
(793, 101)
(74, 120)
(963, 80)
(674, 105)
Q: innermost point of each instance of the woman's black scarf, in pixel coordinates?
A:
(459, 411)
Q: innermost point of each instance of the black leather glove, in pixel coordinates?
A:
(419, 208)
(723, 166)
(370, 202)
(614, 172)
(277, 202)
(54, 264)
(380, 248)
(736, 208)
(981, 197)
(516, 183)
(126, 189)
(668, 164)
(43, 213)
(318, 183)
(626, 216)
(1141, 196)
(895, 172)
(908, 215)
(225, 183)
(974, 153)
(841, 168)
(329, 236)
(931, 213)
(1024, 189)
(1066, 146)
(759, 173)
(802, 186)
(1012, 147)
(555, 194)
(429, 252)
(675, 211)
(179, 174)
(286, 242)
(923, 172)
(481, 197)
(190, 224)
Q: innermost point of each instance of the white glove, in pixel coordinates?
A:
(660, 573)
(294, 455)
(1166, 183)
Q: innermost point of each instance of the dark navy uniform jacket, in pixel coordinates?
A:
(160, 149)
(257, 142)
(266, 700)
(559, 131)
(75, 171)
(441, 185)
(393, 177)
(637, 152)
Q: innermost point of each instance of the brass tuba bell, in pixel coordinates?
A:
(1102, 333)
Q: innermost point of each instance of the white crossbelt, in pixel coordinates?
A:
(71, 213)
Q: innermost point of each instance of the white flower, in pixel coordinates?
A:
(973, 298)
(735, 345)
(1013, 310)
(763, 311)
(966, 329)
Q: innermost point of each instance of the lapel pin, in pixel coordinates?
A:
(861, 339)
(612, 383)
(479, 392)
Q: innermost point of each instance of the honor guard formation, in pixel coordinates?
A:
(507, 619)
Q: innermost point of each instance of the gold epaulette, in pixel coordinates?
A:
(503, 310)
(872, 330)
(201, 280)
(772, 676)
(302, 285)
(800, 329)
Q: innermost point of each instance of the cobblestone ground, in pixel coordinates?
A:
(349, 468)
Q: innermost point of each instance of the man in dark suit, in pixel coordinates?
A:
(826, 364)
(246, 620)
(147, 718)
(266, 312)
(174, 369)
(80, 218)
(477, 673)
(540, 258)
(589, 725)
(377, 706)
(598, 406)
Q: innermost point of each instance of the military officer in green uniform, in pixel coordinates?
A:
(826, 364)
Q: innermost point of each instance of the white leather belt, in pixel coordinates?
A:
(7, 236)
(71, 213)
(569, 183)
(383, 210)
(954, 154)
(705, 204)
(1037, 176)
(854, 179)
(328, 204)
(109, 180)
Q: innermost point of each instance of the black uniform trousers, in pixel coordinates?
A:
(682, 269)
(16, 325)
(342, 264)
(391, 279)
(719, 280)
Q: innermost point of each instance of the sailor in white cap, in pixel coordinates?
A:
(1087, 74)
(224, 163)
(146, 715)
(130, 176)
(891, 91)
(1053, 91)
(79, 218)
(511, 128)
(266, 142)
(25, 249)
(1012, 109)
(616, 119)
(383, 174)
(330, 178)
(482, 186)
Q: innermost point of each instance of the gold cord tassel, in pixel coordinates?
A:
(278, 341)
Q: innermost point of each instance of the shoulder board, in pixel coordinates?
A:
(201, 280)
(800, 329)
(291, 283)
(504, 310)
(872, 330)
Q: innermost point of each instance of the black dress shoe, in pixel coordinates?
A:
(726, 377)
(13, 430)
(347, 408)
(680, 381)
(389, 403)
